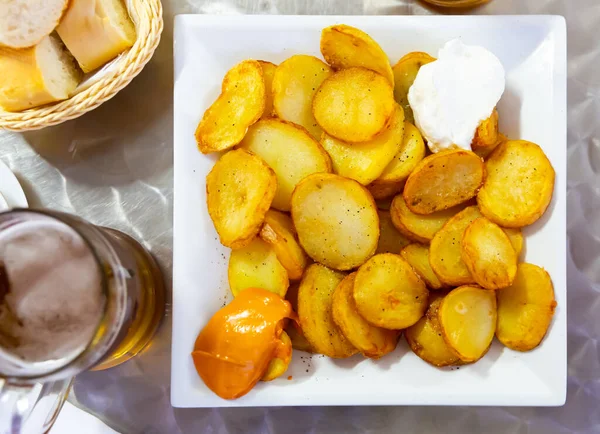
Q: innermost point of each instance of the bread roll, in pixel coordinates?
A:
(96, 31)
(24, 23)
(38, 75)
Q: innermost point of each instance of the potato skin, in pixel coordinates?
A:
(315, 298)
(278, 231)
(486, 134)
(336, 219)
(488, 254)
(443, 180)
(241, 103)
(463, 313)
(239, 190)
(373, 342)
(388, 293)
(425, 337)
(405, 72)
(526, 308)
(354, 105)
(519, 185)
(344, 46)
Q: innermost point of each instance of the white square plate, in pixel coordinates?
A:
(533, 51)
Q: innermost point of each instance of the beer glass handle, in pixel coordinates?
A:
(31, 409)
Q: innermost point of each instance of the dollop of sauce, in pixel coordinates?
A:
(233, 351)
(451, 96)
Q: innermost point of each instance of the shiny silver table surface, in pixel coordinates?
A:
(114, 167)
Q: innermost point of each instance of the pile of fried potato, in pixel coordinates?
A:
(310, 148)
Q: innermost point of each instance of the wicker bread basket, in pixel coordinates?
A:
(147, 18)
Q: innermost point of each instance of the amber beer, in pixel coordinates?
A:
(73, 296)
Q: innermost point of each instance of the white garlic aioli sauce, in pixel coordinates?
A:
(451, 96)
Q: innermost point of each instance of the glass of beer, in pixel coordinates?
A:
(73, 297)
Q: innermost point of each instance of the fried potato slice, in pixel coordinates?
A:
(239, 191)
(419, 228)
(417, 255)
(519, 184)
(315, 297)
(278, 231)
(344, 46)
(256, 266)
(486, 152)
(354, 105)
(525, 308)
(406, 160)
(443, 180)
(336, 219)
(445, 252)
(486, 134)
(488, 254)
(290, 151)
(426, 340)
(295, 83)
(385, 191)
(467, 318)
(390, 239)
(405, 72)
(373, 342)
(365, 161)
(388, 293)
(279, 364)
(241, 103)
(268, 73)
(516, 239)
(293, 328)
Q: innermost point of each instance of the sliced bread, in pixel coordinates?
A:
(35, 76)
(24, 23)
(96, 31)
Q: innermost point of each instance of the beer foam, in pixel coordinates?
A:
(53, 302)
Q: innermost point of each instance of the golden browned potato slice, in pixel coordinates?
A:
(519, 184)
(371, 341)
(293, 328)
(486, 134)
(488, 254)
(239, 191)
(257, 266)
(290, 151)
(516, 239)
(315, 297)
(279, 364)
(405, 72)
(241, 103)
(388, 293)
(343, 47)
(295, 83)
(385, 191)
(420, 228)
(417, 255)
(426, 340)
(445, 252)
(467, 317)
(268, 72)
(390, 239)
(365, 161)
(525, 308)
(443, 180)
(336, 219)
(354, 105)
(279, 232)
(405, 161)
